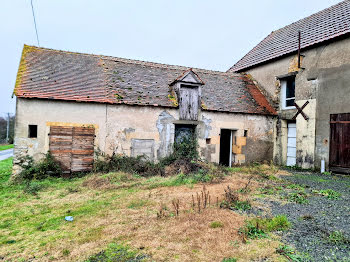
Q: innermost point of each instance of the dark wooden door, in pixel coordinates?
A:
(339, 154)
(72, 147)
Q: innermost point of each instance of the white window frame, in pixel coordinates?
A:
(284, 95)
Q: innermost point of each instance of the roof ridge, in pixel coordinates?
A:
(281, 42)
(314, 14)
(139, 62)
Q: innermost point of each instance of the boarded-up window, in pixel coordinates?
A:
(189, 102)
(143, 147)
(73, 147)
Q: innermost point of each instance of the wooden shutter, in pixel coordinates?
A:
(189, 103)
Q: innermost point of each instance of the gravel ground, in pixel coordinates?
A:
(312, 223)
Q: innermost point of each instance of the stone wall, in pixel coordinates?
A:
(136, 130)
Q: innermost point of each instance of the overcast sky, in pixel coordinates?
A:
(197, 33)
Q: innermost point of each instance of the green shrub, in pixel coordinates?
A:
(184, 154)
(298, 197)
(243, 205)
(252, 230)
(329, 193)
(117, 253)
(47, 167)
(277, 223)
(259, 227)
(186, 148)
(31, 187)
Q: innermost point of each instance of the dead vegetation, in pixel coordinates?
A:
(168, 218)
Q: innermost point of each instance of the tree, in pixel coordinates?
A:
(3, 129)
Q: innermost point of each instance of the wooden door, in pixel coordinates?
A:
(72, 147)
(61, 141)
(339, 153)
(82, 149)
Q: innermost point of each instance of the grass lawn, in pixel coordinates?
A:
(130, 216)
(4, 147)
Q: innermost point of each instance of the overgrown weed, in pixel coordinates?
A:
(46, 167)
(232, 201)
(259, 227)
(289, 253)
(297, 197)
(338, 238)
(329, 193)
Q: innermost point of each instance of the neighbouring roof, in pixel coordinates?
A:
(319, 27)
(61, 75)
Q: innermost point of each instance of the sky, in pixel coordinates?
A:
(196, 33)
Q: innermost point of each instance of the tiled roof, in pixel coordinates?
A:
(53, 74)
(322, 26)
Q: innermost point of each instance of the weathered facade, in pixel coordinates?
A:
(75, 104)
(320, 82)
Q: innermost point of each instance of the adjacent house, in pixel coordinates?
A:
(304, 70)
(75, 104)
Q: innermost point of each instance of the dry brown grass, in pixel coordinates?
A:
(130, 215)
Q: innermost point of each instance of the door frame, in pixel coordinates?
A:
(230, 146)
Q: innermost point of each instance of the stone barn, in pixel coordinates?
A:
(74, 104)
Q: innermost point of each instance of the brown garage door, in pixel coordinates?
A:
(73, 147)
(339, 154)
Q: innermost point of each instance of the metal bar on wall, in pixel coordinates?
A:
(231, 134)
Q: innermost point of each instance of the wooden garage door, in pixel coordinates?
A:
(339, 153)
(73, 147)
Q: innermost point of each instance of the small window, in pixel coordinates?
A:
(245, 133)
(32, 131)
(288, 92)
